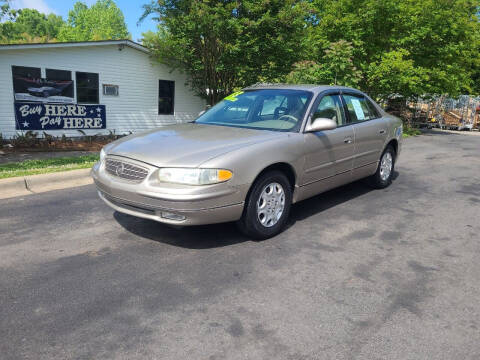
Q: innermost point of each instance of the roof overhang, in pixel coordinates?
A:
(120, 43)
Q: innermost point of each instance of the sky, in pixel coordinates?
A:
(132, 10)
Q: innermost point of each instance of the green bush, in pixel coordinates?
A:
(410, 131)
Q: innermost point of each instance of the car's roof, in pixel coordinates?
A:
(307, 87)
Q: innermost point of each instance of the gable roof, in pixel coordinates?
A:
(125, 42)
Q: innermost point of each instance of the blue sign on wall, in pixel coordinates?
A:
(38, 116)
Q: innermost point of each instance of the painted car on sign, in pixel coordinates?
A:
(44, 91)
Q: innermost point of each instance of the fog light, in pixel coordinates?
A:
(172, 216)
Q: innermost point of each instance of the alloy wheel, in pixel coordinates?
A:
(386, 165)
(271, 204)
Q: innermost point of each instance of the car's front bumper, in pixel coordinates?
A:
(169, 203)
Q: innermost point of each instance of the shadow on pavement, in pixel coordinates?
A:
(190, 237)
(327, 200)
(220, 235)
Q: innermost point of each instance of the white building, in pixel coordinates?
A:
(94, 87)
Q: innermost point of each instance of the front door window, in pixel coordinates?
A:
(330, 107)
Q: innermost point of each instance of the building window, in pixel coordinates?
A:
(87, 88)
(27, 72)
(20, 74)
(166, 93)
(60, 76)
(111, 90)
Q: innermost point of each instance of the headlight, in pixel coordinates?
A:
(102, 155)
(194, 176)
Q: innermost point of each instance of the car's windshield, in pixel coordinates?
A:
(266, 109)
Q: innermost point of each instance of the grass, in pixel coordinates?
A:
(43, 166)
(407, 132)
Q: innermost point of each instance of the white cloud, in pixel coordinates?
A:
(39, 5)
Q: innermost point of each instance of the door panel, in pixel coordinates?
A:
(328, 153)
(369, 128)
(370, 137)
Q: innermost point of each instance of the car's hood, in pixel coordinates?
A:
(187, 145)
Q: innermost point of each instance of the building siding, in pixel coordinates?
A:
(136, 74)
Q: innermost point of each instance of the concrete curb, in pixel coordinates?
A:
(12, 187)
(26, 185)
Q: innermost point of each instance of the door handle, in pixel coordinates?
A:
(347, 140)
(382, 132)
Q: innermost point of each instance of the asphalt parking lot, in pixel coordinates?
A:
(359, 274)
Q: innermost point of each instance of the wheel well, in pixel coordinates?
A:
(394, 144)
(283, 167)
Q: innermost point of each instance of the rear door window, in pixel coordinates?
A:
(359, 108)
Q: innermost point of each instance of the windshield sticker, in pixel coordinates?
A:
(233, 97)
(358, 109)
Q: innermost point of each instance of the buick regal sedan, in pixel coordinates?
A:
(250, 157)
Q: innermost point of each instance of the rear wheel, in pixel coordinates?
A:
(267, 206)
(383, 176)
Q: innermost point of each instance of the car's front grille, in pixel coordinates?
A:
(125, 170)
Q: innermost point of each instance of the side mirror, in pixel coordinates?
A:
(321, 124)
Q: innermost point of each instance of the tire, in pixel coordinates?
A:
(379, 180)
(261, 217)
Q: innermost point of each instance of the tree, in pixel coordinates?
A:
(395, 74)
(5, 10)
(335, 68)
(102, 21)
(28, 25)
(430, 44)
(224, 45)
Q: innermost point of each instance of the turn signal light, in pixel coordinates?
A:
(224, 175)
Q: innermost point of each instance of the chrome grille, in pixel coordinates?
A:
(125, 170)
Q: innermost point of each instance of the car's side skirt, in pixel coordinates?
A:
(318, 187)
(364, 171)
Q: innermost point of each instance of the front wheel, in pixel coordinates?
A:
(383, 177)
(267, 206)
